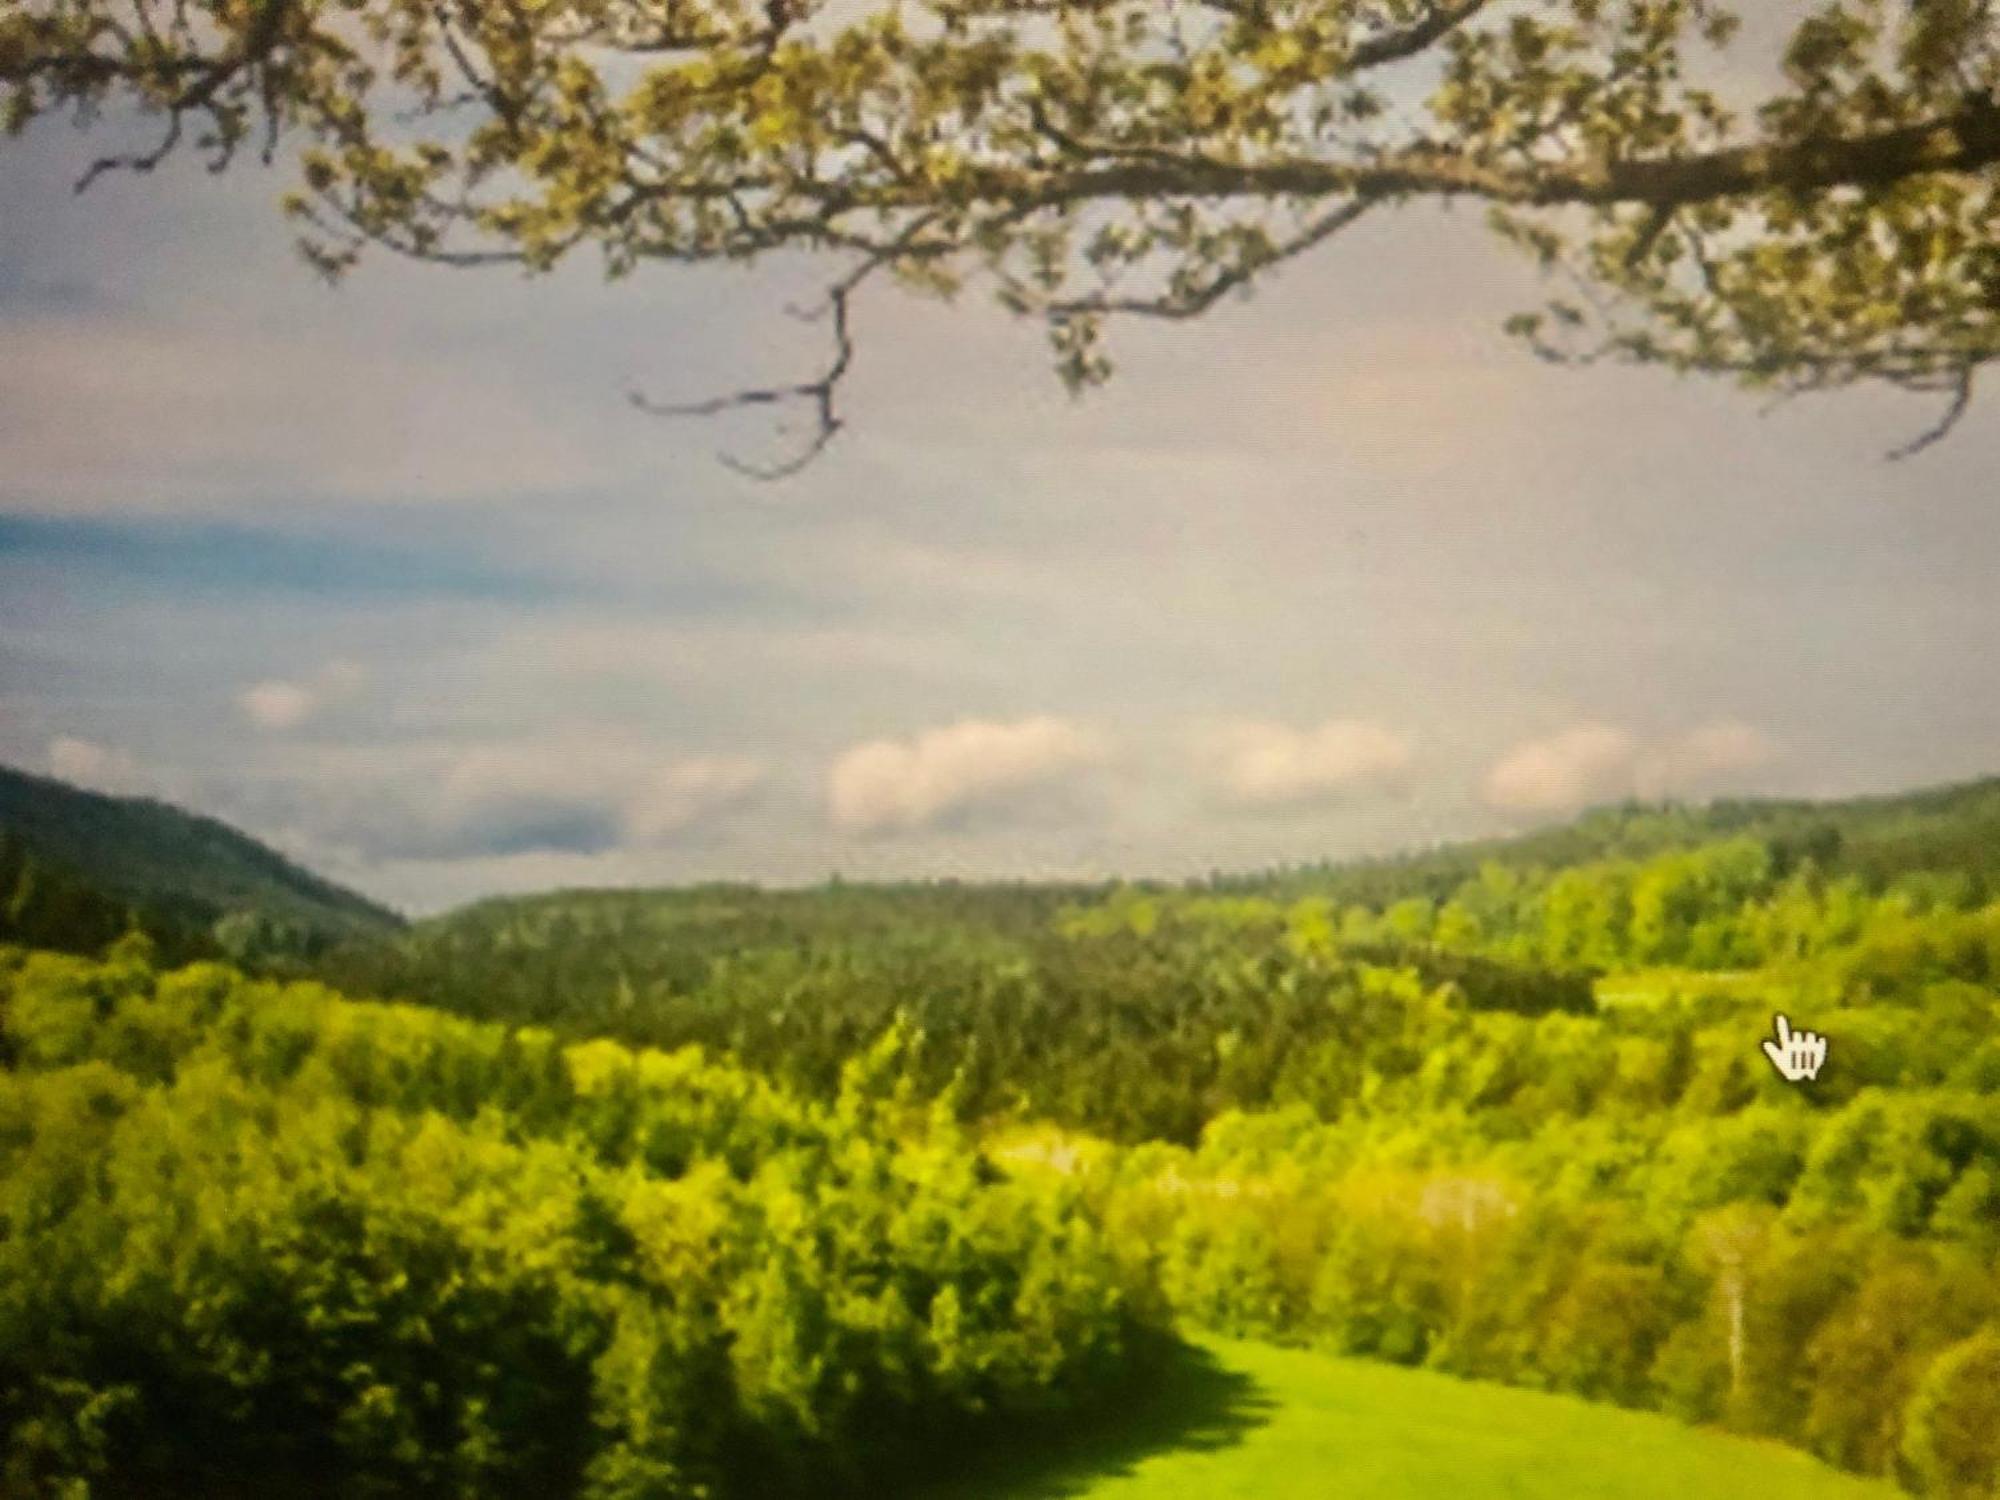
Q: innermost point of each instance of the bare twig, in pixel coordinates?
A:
(819, 393)
(1184, 305)
(1955, 410)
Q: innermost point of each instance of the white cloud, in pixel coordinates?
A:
(1600, 763)
(1268, 765)
(689, 792)
(1710, 758)
(571, 797)
(886, 785)
(1584, 764)
(99, 767)
(277, 704)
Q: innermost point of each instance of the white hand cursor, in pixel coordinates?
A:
(1796, 1054)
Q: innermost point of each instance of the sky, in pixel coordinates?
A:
(392, 575)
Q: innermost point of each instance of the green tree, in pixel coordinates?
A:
(1952, 1436)
(1834, 225)
(264, 1239)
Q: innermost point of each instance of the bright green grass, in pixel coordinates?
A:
(1642, 987)
(1251, 1421)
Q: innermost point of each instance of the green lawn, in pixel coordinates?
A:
(1238, 1419)
(1653, 986)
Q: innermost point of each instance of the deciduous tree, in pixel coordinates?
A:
(1814, 215)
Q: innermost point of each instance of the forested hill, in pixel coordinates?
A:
(75, 863)
(1949, 829)
(941, 1150)
(1950, 832)
(1144, 1010)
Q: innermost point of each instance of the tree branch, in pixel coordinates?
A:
(1182, 306)
(820, 392)
(1960, 404)
(1966, 141)
(1399, 46)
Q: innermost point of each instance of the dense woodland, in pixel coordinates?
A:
(262, 1239)
(1141, 1013)
(79, 868)
(702, 1191)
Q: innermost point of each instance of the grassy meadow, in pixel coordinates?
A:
(1247, 1421)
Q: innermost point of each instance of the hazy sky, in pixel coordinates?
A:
(391, 575)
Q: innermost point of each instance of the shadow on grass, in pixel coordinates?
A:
(1181, 1401)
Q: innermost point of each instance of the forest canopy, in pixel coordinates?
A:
(1801, 203)
(721, 1191)
(263, 1239)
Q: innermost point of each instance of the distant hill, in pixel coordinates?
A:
(1946, 830)
(541, 955)
(74, 863)
(1144, 1011)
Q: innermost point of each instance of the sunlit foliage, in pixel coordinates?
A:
(1807, 206)
(262, 1237)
